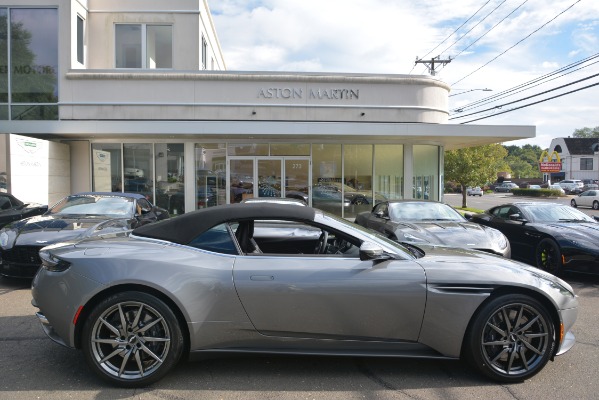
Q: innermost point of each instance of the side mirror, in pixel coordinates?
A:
(372, 251)
(468, 216)
(379, 214)
(517, 218)
(596, 218)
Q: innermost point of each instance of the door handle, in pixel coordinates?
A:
(262, 278)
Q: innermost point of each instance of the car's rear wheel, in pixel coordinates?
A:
(573, 203)
(132, 339)
(511, 338)
(596, 205)
(549, 256)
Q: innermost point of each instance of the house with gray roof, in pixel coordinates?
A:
(579, 157)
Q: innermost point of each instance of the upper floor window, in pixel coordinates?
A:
(143, 46)
(80, 40)
(586, 164)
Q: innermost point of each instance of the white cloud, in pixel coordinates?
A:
(385, 36)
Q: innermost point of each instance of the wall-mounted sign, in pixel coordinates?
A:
(550, 163)
(288, 93)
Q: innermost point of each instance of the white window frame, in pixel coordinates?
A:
(144, 43)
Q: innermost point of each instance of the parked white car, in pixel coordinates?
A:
(474, 191)
(555, 186)
(590, 198)
(571, 185)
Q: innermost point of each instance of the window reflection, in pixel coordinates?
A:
(139, 169)
(170, 191)
(426, 170)
(326, 178)
(34, 55)
(210, 175)
(106, 167)
(388, 166)
(358, 179)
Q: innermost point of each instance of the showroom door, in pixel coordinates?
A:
(263, 177)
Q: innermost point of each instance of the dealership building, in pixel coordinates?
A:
(125, 95)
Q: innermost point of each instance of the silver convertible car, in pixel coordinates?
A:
(282, 279)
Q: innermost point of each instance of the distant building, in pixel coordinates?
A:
(579, 160)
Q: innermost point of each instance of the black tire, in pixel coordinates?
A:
(596, 205)
(150, 345)
(573, 203)
(548, 256)
(511, 338)
(358, 201)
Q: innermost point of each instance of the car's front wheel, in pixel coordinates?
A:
(132, 339)
(511, 338)
(549, 256)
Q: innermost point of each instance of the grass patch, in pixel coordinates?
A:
(463, 210)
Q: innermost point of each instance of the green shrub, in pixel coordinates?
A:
(536, 192)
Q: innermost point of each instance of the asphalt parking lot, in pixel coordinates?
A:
(34, 367)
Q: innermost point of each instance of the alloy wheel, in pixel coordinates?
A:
(130, 340)
(515, 339)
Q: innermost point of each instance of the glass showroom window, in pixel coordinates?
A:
(143, 46)
(357, 169)
(107, 173)
(33, 69)
(426, 172)
(139, 169)
(211, 179)
(388, 167)
(327, 178)
(170, 191)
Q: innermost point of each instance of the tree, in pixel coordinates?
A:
(586, 132)
(473, 166)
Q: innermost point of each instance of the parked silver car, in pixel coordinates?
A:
(282, 279)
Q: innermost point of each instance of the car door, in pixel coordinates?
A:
(586, 198)
(331, 296)
(515, 231)
(379, 218)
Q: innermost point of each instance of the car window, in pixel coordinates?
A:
(145, 205)
(112, 206)
(217, 239)
(381, 207)
(4, 203)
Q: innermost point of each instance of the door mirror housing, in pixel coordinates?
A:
(372, 251)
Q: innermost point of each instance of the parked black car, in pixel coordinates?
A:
(13, 209)
(551, 236)
(74, 217)
(430, 222)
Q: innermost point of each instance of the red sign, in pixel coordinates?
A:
(550, 166)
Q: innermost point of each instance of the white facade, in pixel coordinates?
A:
(195, 126)
(578, 156)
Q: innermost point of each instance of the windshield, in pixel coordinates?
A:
(555, 213)
(110, 206)
(391, 245)
(423, 211)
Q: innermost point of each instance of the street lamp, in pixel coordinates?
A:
(470, 90)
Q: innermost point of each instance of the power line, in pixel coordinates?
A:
(517, 43)
(523, 86)
(529, 97)
(457, 29)
(475, 25)
(532, 104)
(494, 26)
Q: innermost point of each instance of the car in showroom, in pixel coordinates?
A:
(282, 279)
(75, 216)
(590, 198)
(553, 237)
(13, 209)
(431, 222)
(474, 191)
(505, 187)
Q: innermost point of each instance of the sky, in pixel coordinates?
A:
(494, 44)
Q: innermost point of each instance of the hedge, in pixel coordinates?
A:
(537, 192)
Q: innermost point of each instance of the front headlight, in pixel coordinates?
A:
(408, 237)
(498, 238)
(53, 263)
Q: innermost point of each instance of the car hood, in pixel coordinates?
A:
(49, 229)
(588, 231)
(448, 233)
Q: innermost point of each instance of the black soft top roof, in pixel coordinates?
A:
(184, 228)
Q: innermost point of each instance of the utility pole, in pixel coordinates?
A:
(432, 63)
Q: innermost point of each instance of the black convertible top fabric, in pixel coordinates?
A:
(184, 228)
